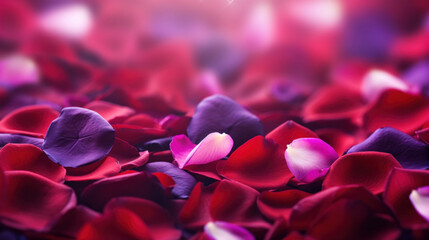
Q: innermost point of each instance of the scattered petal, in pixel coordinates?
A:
(220, 230)
(289, 131)
(419, 198)
(377, 81)
(109, 111)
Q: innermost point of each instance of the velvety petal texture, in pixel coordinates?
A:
(289, 131)
(77, 137)
(419, 198)
(6, 138)
(221, 114)
(220, 230)
(309, 159)
(213, 147)
(409, 152)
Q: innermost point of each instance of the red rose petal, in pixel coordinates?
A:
(369, 169)
(140, 184)
(258, 163)
(403, 111)
(157, 219)
(30, 158)
(127, 155)
(289, 131)
(166, 181)
(142, 120)
(175, 125)
(279, 204)
(399, 185)
(106, 167)
(109, 111)
(31, 120)
(119, 223)
(33, 202)
(135, 135)
(73, 220)
(423, 135)
(339, 140)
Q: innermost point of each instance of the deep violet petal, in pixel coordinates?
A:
(6, 138)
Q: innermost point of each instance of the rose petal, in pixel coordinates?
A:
(289, 131)
(220, 230)
(33, 202)
(17, 70)
(419, 198)
(109, 111)
(338, 139)
(309, 159)
(213, 147)
(175, 125)
(377, 81)
(73, 220)
(140, 184)
(184, 181)
(409, 152)
(136, 135)
(258, 163)
(106, 167)
(30, 158)
(369, 169)
(400, 183)
(6, 138)
(221, 114)
(142, 120)
(119, 223)
(77, 137)
(30, 120)
(157, 219)
(395, 108)
(128, 156)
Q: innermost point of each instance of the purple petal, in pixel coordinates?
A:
(184, 181)
(213, 147)
(220, 230)
(77, 137)
(377, 81)
(221, 114)
(418, 75)
(420, 200)
(309, 159)
(410, 153)
(6, 138)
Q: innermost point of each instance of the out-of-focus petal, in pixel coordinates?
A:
(109, 111)
(78, 136)
(309, 159)
(219, 230)
(6, 138)
(213, 147)
(377, 81)
(420, 199)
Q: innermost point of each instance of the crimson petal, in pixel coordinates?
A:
(289, 131)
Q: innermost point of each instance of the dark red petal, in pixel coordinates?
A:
(279, 204)
(353, 219)
(339, 140)
(403, 111)
(109, 111)
(30, 120)
(195, 214)
(127, 155)
(399, 185)
(369, 169)
(157, 219)
(334, 102)
(136, 135)
(140, 184)
(306, 210)
(33, 202)
(119, 223)
(235, 203)
(258, 163)
(166, 181)
(289, 131)
(175, 125)
(423, 135)
(142, 120)
(30, 158)
(106, 167)
(209, 170)
(73, 220)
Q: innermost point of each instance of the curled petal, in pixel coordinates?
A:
(420, 199)
(77, 137)
(213, 147)
(309, 159)
(220, 230)
(107, 167)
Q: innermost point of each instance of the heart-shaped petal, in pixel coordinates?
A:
(213, 147)
(77, 137)
(309, 159)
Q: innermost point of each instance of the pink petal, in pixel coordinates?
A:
(220, 230)
(213, 147)
(377, 81)
(420, 199)
(309, 159)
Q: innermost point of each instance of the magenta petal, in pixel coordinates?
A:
(220, 230)
(309, 159)
(420, 200)
(213, 147)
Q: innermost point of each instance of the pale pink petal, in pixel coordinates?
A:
(420, 200)
(213, 147)
(377, 81)
(220, 230)
(309, 159)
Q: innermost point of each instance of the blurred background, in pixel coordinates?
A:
(163, 56)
